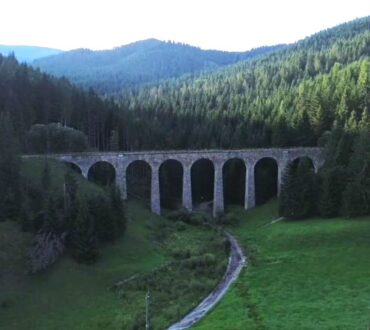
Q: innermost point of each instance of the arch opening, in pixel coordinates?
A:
(266, 180)
(202, 183)
(303, 161)
(102, 173)
(170, 184)
(73, 166)
(233, 173)
(138, 179)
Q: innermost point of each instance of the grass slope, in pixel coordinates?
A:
(312, 274)
(173, 258)
(70, 295)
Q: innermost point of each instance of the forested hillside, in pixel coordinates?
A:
(47, 198)
(110, 71)
(34, 103)
(291, 97)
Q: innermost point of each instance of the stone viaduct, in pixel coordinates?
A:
(121, 160)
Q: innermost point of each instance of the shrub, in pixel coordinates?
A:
(227, 219)
(198, 219)
(180, 215)
(180, 226)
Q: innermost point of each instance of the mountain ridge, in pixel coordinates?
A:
(25, 53)
(141, 62)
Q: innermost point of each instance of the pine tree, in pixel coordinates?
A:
(333, 182)
(84, 241)
(70, 199)
(10, 181)
(118, 210)
(355, 199)
(297, 199)
(356, 195)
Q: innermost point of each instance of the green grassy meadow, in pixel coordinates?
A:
(71, 295)
(302, 275)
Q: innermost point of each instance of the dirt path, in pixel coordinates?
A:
(236, 262)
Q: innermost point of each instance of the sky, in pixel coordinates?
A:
(232, 25)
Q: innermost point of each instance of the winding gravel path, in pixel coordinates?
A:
(237, 261)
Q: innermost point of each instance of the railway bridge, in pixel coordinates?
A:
(120, 161)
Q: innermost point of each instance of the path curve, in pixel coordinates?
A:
(237, 261)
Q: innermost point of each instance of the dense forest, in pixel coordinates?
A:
(35, 101)
(291, 97)
(146, 61)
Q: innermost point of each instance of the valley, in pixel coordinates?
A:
(121, 170)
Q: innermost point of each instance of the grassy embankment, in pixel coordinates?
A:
(180, 263)
(311, 274)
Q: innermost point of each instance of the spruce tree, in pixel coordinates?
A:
(10, 181)
(355, 199)
(70, 199)
(333, 182)
(118, 210)
(84, 241)
(297, 199)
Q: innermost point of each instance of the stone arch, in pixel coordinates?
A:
(75, 167)
(202, 182)
(102, 173)
(266, 171)
(138, 179)
(171, 173)
(308, 159)
(234, 174)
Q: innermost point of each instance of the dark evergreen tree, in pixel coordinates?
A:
(70, 200)
(355, 199)
(356, 196)
(10, 181)
(84, 240)
(119, 213)
(298, 194)
(333, 182)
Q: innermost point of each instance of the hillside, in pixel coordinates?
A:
(291, 97)
(28, 53)
(110, 71)
(110, 293)
(288, 98)
(30, 99)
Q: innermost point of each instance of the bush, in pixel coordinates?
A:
(185, 216)
(180, 215)
(198, 219)
(180, 226)
(227, 219)
(181, 253)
